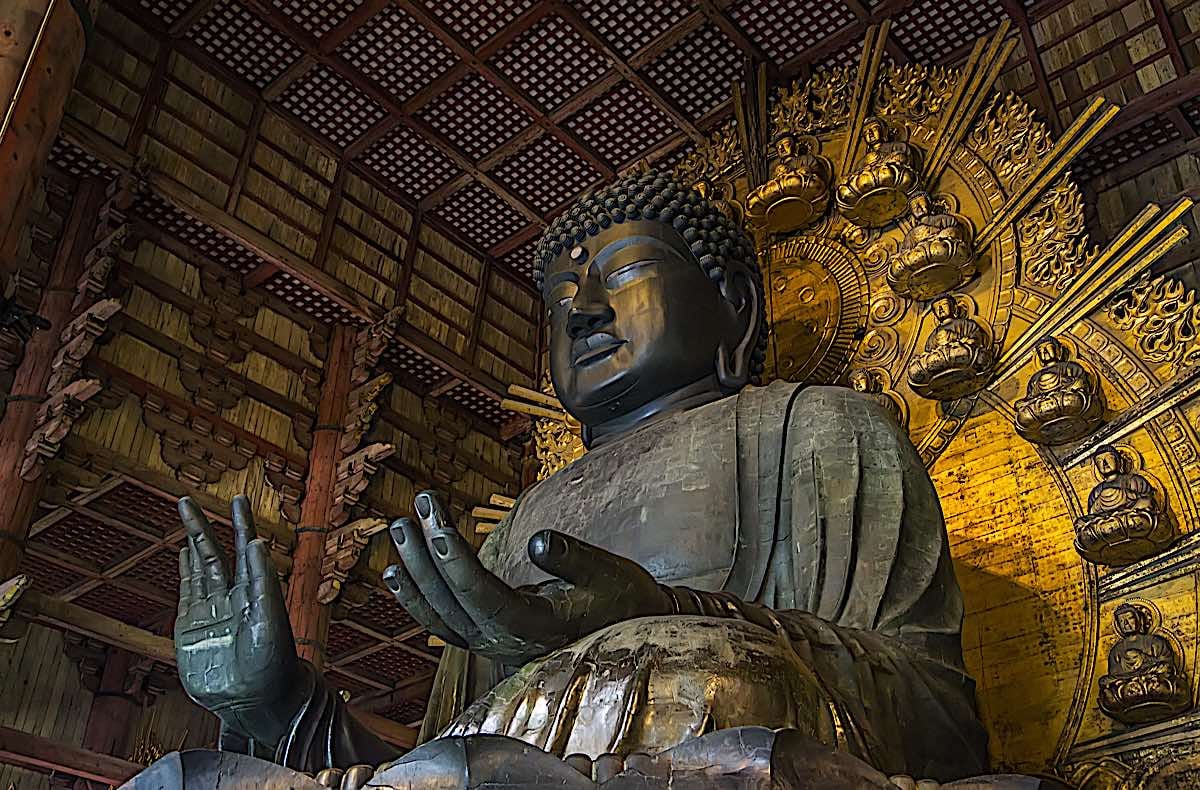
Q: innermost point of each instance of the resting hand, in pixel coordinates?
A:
(445, 587)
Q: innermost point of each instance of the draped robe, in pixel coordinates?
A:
(809, 501)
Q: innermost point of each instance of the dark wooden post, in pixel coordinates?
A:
(310, 618)
(42, 44)
(111, 718)
(32, 377)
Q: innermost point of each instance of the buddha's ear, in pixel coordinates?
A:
(733, 362)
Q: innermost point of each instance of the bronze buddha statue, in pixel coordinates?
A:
(1125, 521)
(1145, 681)
(797, 194)
(1062, 402)
(877, 190)
(735, 583)
(936, 254)
(958, 356)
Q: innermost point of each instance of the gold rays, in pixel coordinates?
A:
(864, 86)
(975, 83)
(1143, 241)
(1085, 128)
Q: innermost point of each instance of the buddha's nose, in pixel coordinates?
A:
(584, 319)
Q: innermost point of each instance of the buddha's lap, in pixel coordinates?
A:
(650, 684)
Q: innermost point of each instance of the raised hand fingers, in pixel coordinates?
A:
(243, 534)
(205, 546)
(497, 609)
(414, 553)
(408, 595)
(260, 573)
(583, 564)
(185, 580)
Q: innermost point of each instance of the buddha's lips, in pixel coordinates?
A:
(593, 348)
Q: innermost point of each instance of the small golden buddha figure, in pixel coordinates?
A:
(958, 355)
(1145, 681)
(1062, 402)
(1125, 521)
(868, 383)
(876, 192)
(797, 194)
(936, 255)
(716, 193)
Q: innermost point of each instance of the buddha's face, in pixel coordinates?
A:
(920, 206)
(860, 381)
(1108, 462)
(874, 133)
(944, 309)
(1048, 352)
(632, 317)
(1128, 622)
(785, 146)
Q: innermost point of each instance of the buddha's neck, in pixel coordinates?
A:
(698, 393)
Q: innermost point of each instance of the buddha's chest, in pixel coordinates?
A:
(665, 496)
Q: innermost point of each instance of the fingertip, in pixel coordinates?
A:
(186, 505)
(391, 578)
(547, 545)
(398, 531)
(425, 503)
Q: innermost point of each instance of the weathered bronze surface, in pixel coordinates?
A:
(1125, 521)
(1145, 681)
(1062, 402)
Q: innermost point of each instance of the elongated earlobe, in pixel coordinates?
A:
(733, 366)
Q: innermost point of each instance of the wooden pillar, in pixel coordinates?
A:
(29, 384)
(42, 44)
(310, 618)
(113, 712)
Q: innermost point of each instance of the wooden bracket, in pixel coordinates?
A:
(343, 547)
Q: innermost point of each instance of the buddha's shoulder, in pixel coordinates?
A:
(807, 401)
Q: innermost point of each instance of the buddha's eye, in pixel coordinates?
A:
(629, 272)
(561, 295)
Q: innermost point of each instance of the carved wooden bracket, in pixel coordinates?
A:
(343, 547)
(287, 480)
(53, 423)
(441, 457)
(228, 295)
(78, 339)
(372, 342)
(213, 386)
(198, 451)
(361, 411)
(353, 476)
(99, 263)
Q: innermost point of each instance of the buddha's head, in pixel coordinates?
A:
(944, 308)
(1049, 351)
(861, 381)
(1108, 461)
(650, 292)
(875, 131)
(1131, 619)
(921, 205)
(786, 145)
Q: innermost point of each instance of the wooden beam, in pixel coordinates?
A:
(247, 156)
(33, 752)
(224, 223)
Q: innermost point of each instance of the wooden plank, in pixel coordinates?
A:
(40, 754)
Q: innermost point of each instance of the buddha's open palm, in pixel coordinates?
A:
(233, 641)
(445, 587)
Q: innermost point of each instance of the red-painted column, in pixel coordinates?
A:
(310, 619)
(42, 44)
(20, 496)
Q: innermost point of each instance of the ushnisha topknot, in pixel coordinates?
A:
(717, 242)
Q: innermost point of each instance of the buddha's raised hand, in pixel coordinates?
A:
(233, 641)
(445, 587)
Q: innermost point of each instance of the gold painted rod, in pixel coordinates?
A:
(37, 43)
(533, 395)
(990, 75)
(950, 114)
(499, 500)
(533, 410)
